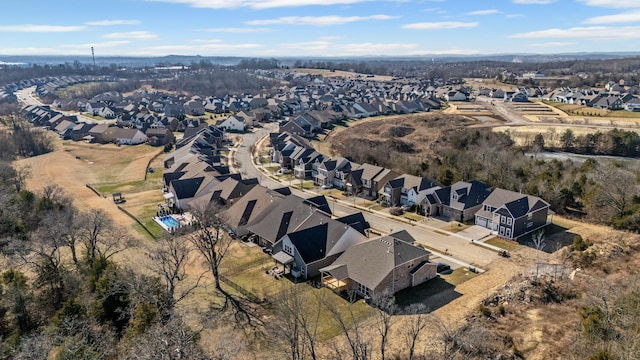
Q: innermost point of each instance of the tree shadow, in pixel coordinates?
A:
(555, 238)
(434, 294)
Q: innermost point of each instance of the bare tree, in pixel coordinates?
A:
(170, 341)
(385, 314)
(537, 239)
(297, 319)
(209, 238)
(617, 187)
(213, 244)
(100, 237)
(359, 345)
(33, 347)
(169, 260)
(417, 323)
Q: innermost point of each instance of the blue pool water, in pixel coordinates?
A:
(169, 221)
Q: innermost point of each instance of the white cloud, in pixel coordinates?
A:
(257, 4)
(139, 35)
(584, 33)
(197, 47)
(441, 25)
(324, 47)
(533, 2)
(247, 30)
(106, 44)
(552, 44)
(514, 16)
(633, 16)
(318, 20)
(112, 22)
(30, 28)
(613, 4)
(484, 12)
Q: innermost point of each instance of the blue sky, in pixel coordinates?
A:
(296, 28)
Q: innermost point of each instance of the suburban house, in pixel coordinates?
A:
(381, 266)
(304, 160)
(233, 123)
(296, 128)
(512, 214)
(251, 205)
(407, 190)
(459, 201)
(342, 172)
(283, 217)
(160, 136)
(370, 179)
(326, 170)
(315, 243)
(122, 136)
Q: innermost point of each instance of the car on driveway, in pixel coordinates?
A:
(443, 269)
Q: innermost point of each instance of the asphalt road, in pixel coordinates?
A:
(26, 96)
(459, 252)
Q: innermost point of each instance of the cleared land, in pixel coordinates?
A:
(107, 167)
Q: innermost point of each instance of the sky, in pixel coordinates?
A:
(317, 28)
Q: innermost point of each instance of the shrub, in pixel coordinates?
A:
(396, 211)
(485, 311)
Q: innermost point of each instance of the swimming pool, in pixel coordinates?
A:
(169, 221)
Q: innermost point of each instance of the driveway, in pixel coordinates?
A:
(475, 232)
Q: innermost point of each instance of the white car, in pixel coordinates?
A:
(328, 186)
(283, 171)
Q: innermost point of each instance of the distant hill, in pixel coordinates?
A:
(229, 60)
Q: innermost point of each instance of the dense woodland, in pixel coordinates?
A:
(603, 192)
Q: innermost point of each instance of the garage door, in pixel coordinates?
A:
(481, 221)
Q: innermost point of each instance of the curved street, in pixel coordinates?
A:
(460, 251)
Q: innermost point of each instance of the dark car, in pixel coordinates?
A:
(443, 268)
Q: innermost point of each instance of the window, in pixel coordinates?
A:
(530, 224)
(363, 290)
(288, 249)
(509, 221)
(508, 233)
(503, 219)
(502, 230)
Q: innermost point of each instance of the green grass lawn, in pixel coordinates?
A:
(145, 215)
(455, 227)
(504, 243)
(413, 216)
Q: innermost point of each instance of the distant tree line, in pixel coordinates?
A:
(603, 192)
(219, 82)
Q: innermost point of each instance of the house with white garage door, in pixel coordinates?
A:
(511, 214)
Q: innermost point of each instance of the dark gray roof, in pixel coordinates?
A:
(356, 221)
(518, 204)
(370, 262)
(186, 188)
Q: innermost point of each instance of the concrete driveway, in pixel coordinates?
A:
(475, 232)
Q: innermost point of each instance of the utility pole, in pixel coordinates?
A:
(93, 55)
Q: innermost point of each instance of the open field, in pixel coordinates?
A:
(74, 165)
(580, 110)
(80, 90)
(339, 73)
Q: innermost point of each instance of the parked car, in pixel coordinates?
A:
(328, 186)
(443, 268)
(283, 171)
